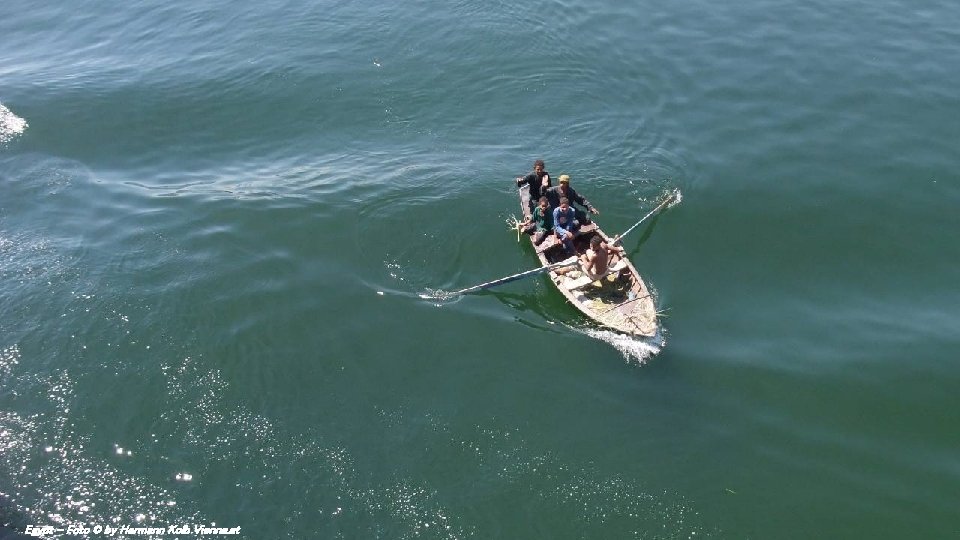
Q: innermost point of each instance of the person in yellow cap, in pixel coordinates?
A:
(554, 194)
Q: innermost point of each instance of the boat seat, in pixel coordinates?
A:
(573, 284)
(547, 243)
(550, 241)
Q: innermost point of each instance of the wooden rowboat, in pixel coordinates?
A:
(619, 301)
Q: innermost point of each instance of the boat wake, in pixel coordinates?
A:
(11, 125)
(633, 349)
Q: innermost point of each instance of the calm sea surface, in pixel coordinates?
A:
(216, 218)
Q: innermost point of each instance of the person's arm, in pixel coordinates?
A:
(577, 197)
(590, 263)
(618, 250)
(532, 218)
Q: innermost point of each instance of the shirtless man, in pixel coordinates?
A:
(596, 260)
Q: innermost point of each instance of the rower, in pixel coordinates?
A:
(596, 260)
(595, 264)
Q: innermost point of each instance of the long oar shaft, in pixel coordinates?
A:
(567, 262)
(644, 218)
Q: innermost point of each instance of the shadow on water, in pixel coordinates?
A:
(677, 197)
(530, 303)
(647, 232)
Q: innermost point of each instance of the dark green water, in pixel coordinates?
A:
(215, 221)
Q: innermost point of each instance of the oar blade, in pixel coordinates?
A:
(671, 200)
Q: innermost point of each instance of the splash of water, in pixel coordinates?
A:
(11, 125)
(677, 197)
(631, 348)
(439, 296)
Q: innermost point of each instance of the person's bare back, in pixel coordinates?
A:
(596, 260)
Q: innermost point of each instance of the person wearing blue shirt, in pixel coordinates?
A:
(565, 224)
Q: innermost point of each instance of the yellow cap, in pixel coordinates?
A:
(564, 178)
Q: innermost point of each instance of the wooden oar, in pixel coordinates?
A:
(659, 207)
(550, 267)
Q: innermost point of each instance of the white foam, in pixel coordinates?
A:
(677, 198)
(11, 125)
(439, 297)
(633, 349)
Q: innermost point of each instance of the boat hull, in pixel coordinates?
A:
(620, 301)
